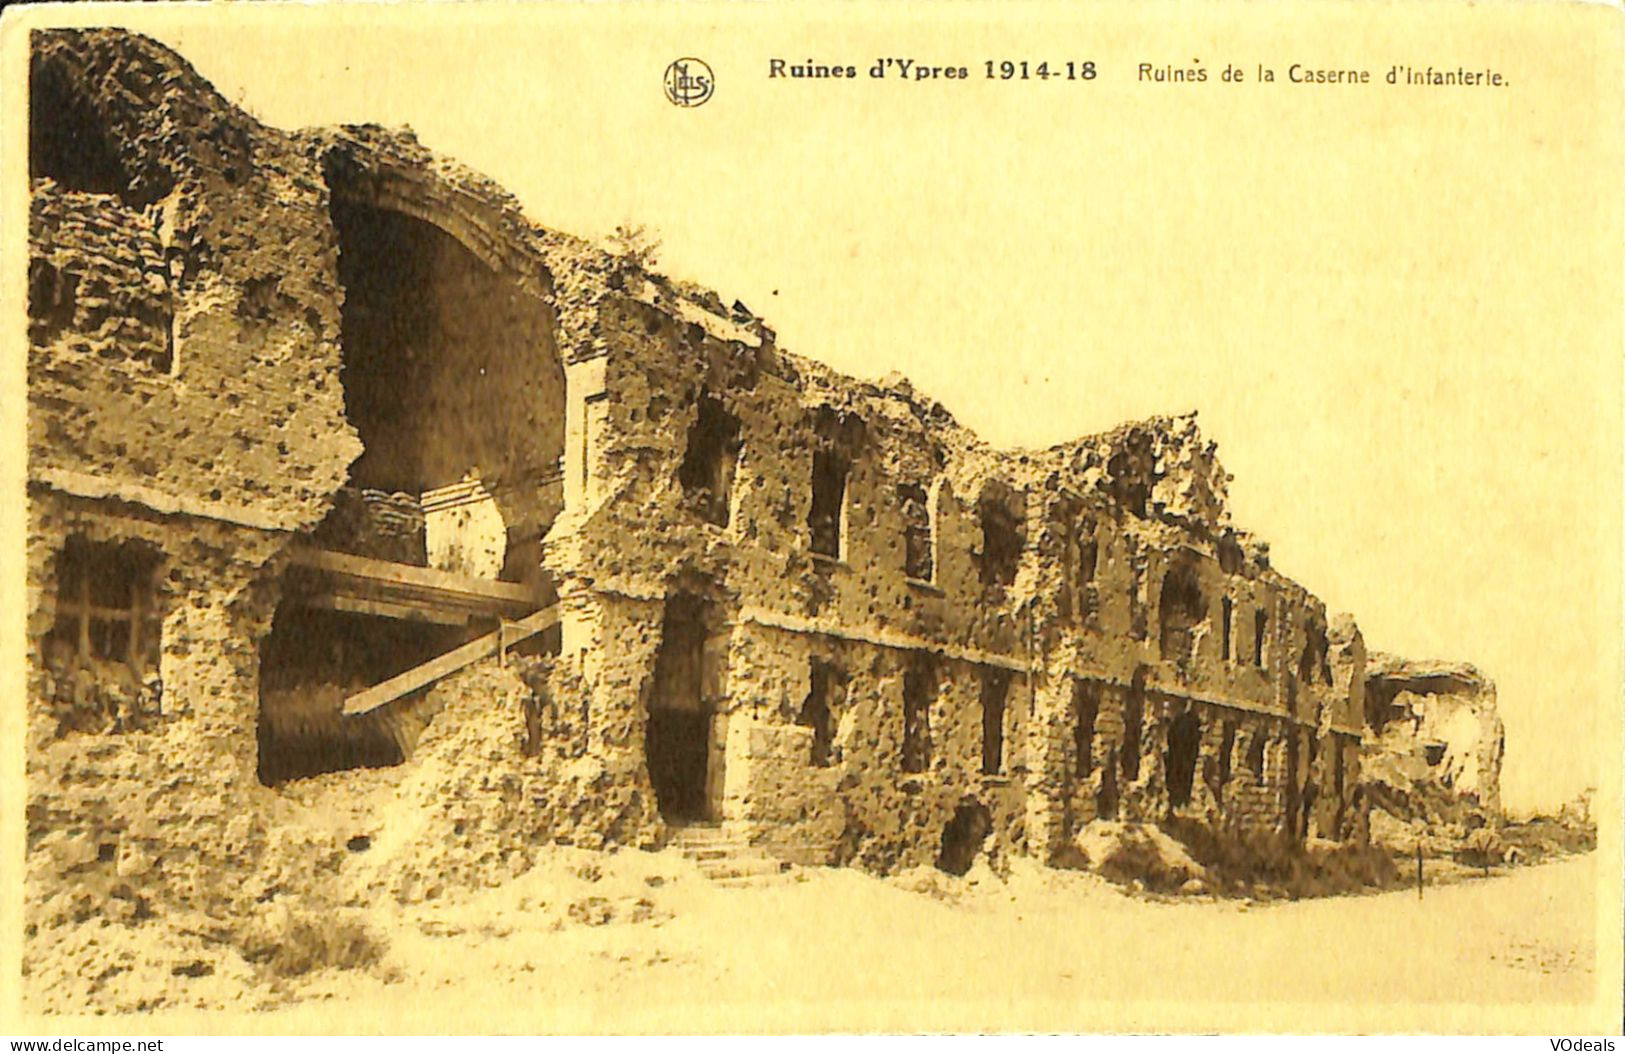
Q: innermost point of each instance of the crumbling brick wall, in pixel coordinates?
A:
(639, 532)
(98, 275)
(1111, 623)
(863, 805)
(186, 330)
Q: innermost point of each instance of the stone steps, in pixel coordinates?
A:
(725, 855)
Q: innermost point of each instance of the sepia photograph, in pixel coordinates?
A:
(807, 518)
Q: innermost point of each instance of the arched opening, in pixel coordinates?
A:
(837, 449)
(1002, 511)
(963, 835)
(453, 380)
(826, 517)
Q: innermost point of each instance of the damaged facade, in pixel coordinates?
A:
(335, 458)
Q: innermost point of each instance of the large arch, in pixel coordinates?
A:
(452, 369)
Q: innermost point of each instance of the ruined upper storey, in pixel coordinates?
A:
(183, 293)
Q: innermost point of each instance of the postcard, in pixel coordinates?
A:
(801, 518)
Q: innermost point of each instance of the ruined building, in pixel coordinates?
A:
(336, 461)
(1433, 750)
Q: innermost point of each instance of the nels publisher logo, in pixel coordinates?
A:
(689, 82)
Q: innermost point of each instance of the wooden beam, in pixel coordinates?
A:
(364, 567)
(452, 661)
(387, 609)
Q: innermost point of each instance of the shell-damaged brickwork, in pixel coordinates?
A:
(338, 461)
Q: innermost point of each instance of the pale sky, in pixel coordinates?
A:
(1396, 309)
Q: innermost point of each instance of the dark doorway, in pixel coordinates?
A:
(995, 694)
(677, 754)
(1184, 742)
(1292, 788)
(678, 733)
(963, 836)
(1106, 796)
(1085, 710)
(1133, 716)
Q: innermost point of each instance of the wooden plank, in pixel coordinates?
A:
(452, 661)
(387, 609)
(459, 604)
(365, 567)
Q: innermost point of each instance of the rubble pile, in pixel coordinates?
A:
(1432, 759)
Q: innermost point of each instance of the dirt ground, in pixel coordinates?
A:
(640, 941)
